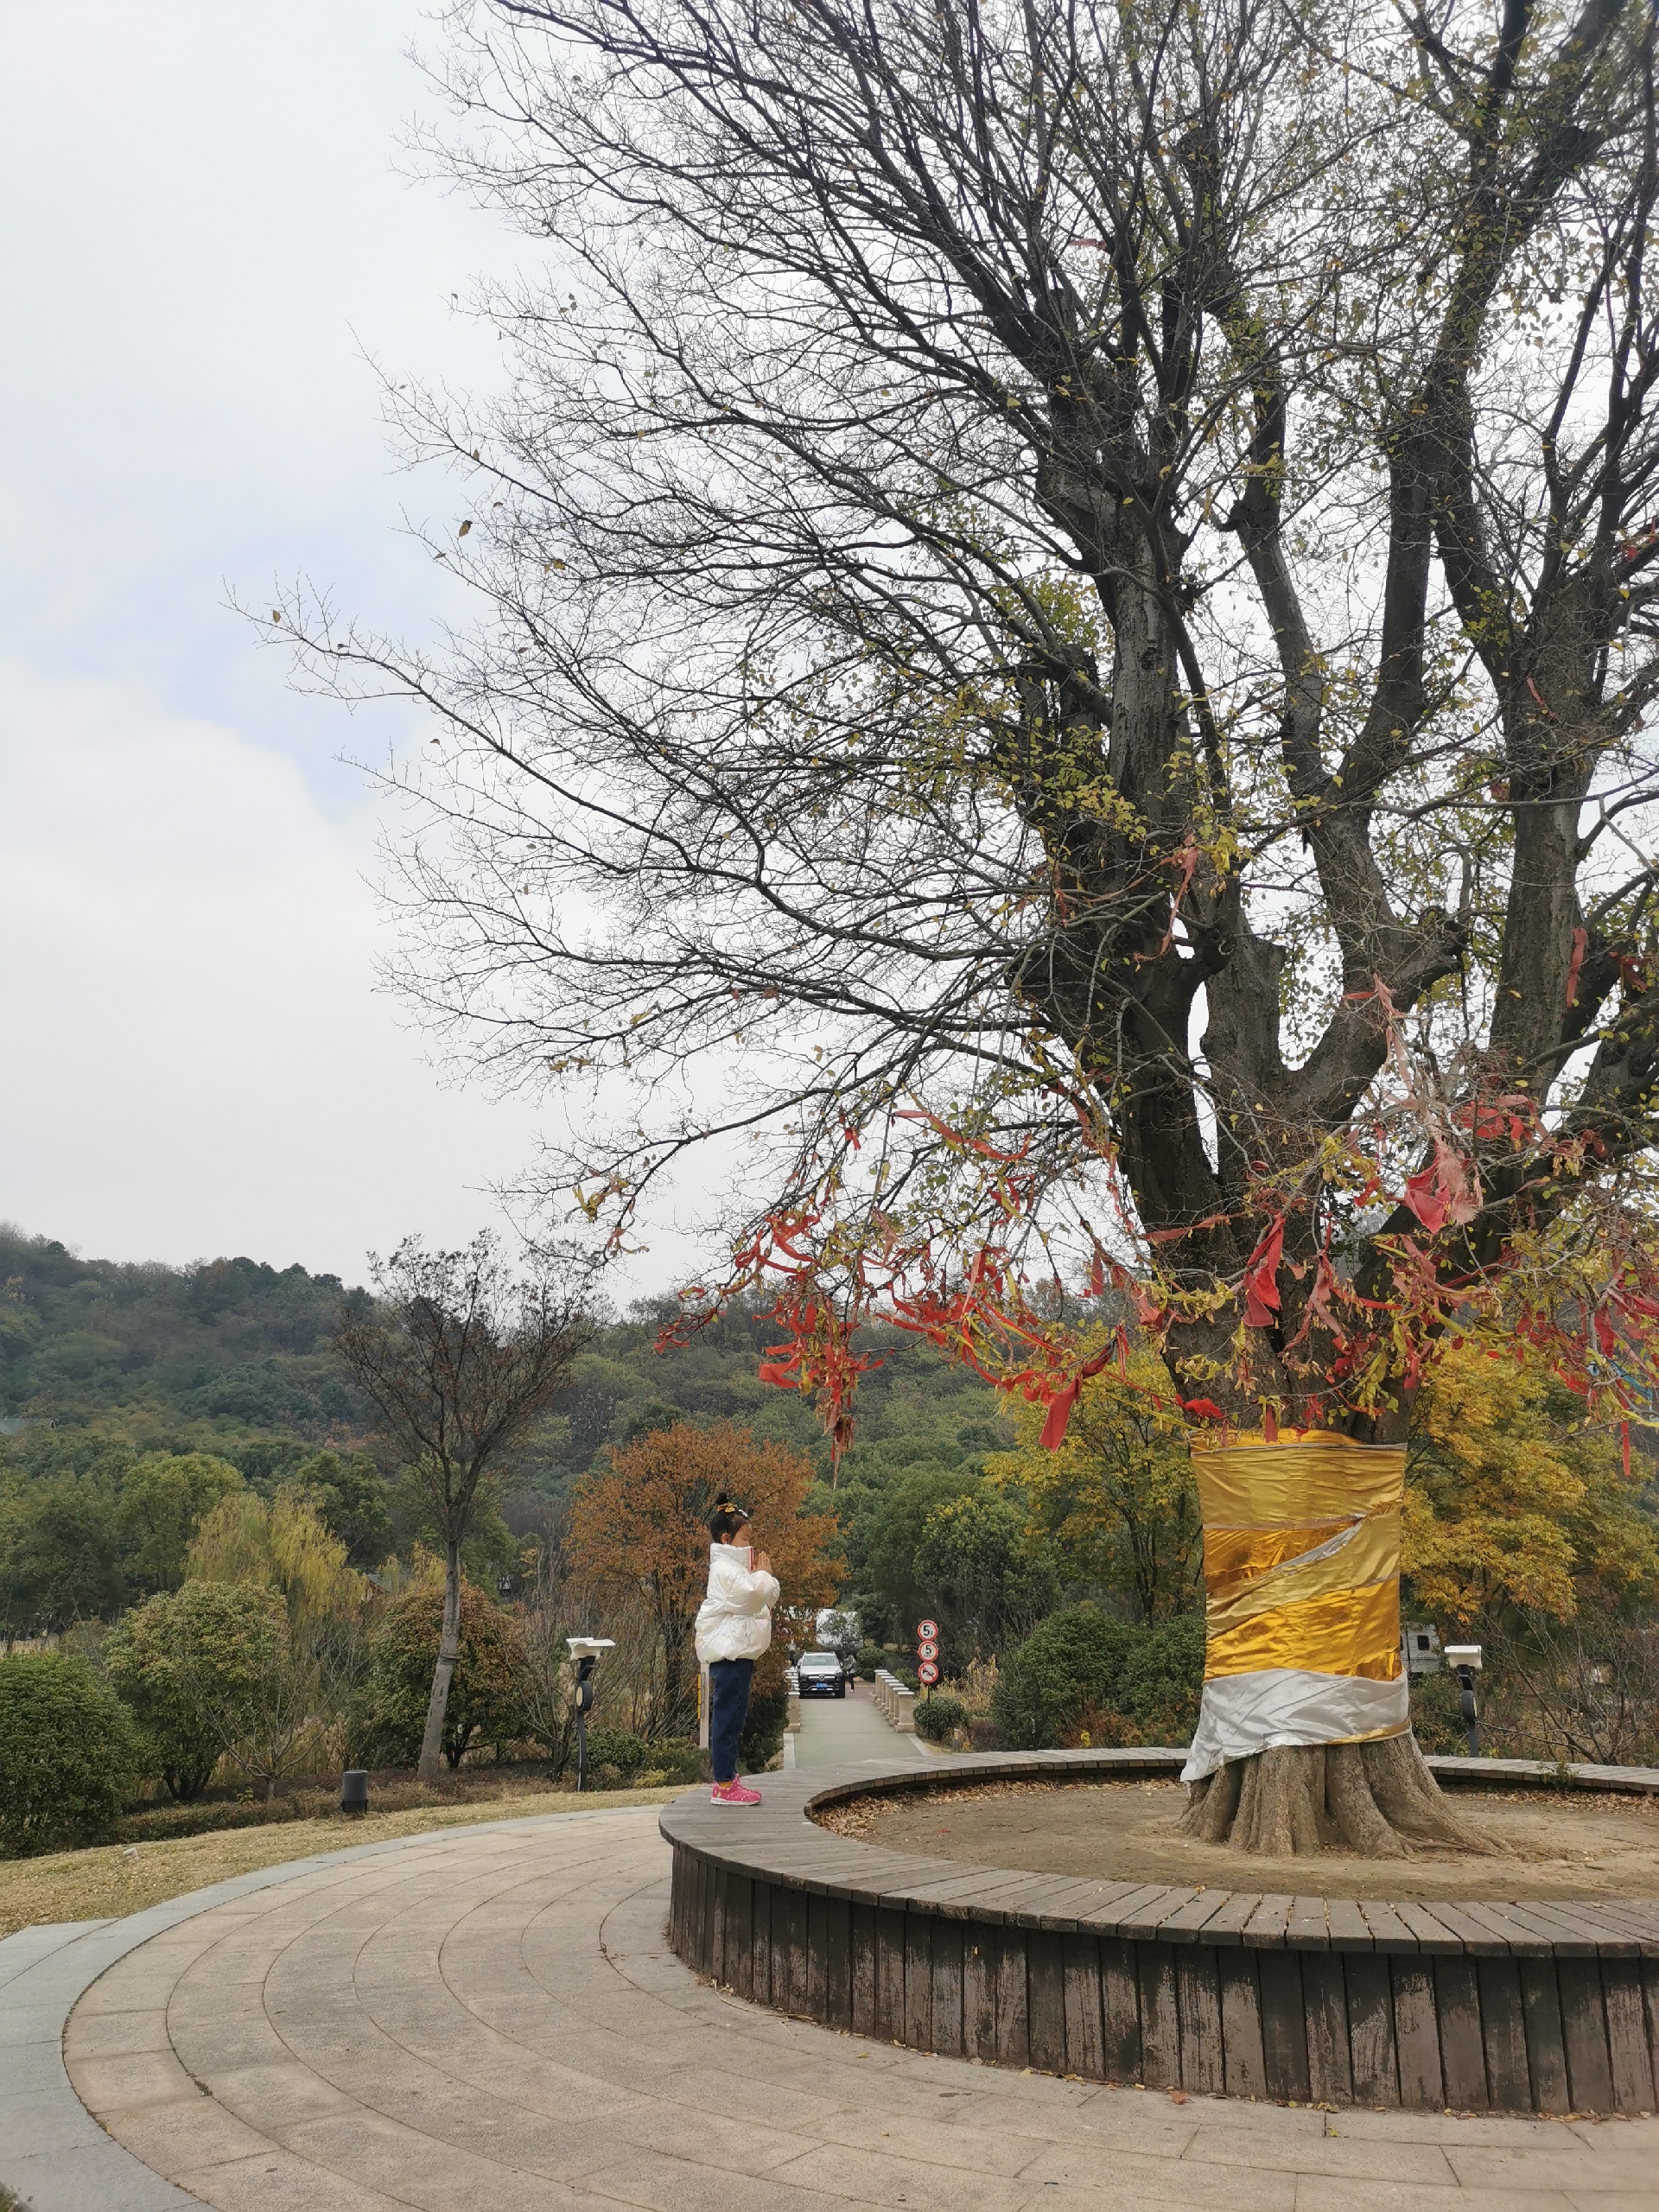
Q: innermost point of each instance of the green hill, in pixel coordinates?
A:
(232, 1357)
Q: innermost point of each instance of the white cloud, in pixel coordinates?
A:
(197, 1061)
(212, 224)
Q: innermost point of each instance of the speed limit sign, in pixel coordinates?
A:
(927, 1648)
(927, 1672)
(927, 1630)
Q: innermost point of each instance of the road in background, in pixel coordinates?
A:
(836, 1730)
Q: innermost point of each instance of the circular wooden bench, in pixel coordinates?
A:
(1471, 2008)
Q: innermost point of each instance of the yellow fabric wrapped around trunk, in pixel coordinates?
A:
(1302, 1563)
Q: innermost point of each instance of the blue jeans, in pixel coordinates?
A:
(729, 1682)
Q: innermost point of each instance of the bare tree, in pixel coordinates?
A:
(1067, 601)
(459, 1359)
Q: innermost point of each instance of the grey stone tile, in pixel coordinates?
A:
(1454, 2131)
(1126, 2175)
(1569, 2165)
(171, 2138)
(415, 2169)
(31, 2019)
(274, 2182)
(33, 2122)
(893, 2128)
(100, 2177)
(890, 2177)
(1404, 2162)
(1324, 2194)
(692, 2184)
(114, 2034)
(277, 2094)
(26, 1947)
(132, 2078)
(1618, 2134)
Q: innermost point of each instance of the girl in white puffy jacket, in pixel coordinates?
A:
(733, 1629)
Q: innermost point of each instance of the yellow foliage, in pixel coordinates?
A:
(1116, 1504)
(1510, 1500)
(282, 1545)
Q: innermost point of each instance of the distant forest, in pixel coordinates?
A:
(231, 1356)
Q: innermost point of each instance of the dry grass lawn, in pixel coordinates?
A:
(110, 1879)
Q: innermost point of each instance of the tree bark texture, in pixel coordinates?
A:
(443, 1672)
(1377, 1801)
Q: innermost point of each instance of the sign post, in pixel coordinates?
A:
(927, 1654)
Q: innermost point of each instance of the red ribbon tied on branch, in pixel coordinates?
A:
(1262, 1277)
(1446, 1189)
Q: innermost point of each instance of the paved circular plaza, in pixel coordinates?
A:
(491, 2019)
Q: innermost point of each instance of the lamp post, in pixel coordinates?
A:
(584, 1652)
(1464, 1660)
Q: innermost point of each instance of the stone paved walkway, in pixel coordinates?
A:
(491, 2020)
(836, 1730)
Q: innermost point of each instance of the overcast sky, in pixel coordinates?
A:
(210, 223)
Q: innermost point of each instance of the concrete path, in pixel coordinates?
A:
(835, 1732)
(490, 2020)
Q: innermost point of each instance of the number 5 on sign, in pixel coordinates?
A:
(927, 1630)
(924, 1649)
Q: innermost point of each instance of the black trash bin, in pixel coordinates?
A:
(355, 1790)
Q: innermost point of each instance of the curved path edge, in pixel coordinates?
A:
(53, 2155)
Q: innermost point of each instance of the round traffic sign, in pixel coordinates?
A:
(927, 1627)
(927, 1672)
(927, 1648)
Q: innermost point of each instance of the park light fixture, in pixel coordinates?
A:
(584, 1653)
(1464, 1660)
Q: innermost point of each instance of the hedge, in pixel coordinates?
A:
(1082, 1671)
(67, 1754)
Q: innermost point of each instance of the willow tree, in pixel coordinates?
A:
(1064, 611)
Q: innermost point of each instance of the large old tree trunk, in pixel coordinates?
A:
(1378, 1799)
(1301, 1569)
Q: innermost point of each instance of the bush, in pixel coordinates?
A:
(486, 1692)
(984, 1735)
(67, 1756)
(763, 1732)
(1162, 1679)
(1437, 1718)
(1068, 1666)
(940, 1717)
(152, 1659)
(678, 1759)
(872, 1658)
(613, 1747)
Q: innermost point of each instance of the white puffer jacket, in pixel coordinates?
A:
(734, 1620)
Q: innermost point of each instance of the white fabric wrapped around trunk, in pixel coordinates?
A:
(1246, 1714)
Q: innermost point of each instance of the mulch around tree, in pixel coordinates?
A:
(1548, 1845)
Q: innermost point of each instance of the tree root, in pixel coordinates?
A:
(1362, 1826)
(1292, 1801)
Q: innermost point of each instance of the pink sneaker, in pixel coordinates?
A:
(732, 1792)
